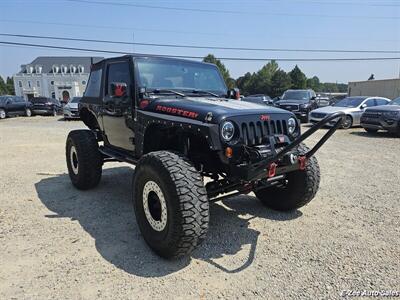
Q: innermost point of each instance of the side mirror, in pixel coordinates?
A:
(118, 89)
(8, 101)
(363, 106)
(234, 94)
(313, 98)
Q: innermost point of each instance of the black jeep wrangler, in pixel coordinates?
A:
(177, 122)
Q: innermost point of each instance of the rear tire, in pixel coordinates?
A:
(84, 161)
(299, 189)
(171, 204)
(3, 114)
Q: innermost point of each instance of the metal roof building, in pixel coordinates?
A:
(389, 88)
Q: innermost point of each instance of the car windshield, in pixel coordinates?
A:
(395, 102)
(75, 100)
(186, 76)
(295, 95)
(350, 102)
(3, 99)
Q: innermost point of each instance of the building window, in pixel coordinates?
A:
(29, 84)
(38, 83)
(83, 82)
(80, 69)
(53, 95)
(20, 83)
(52, 82)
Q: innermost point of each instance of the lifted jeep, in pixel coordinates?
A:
(177, 122)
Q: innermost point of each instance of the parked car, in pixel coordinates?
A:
(323, 101)
(70, 110)
(14, 105)
(386, 117)
(45, 106)
(353, 107)
(260, 99)
(300, 102)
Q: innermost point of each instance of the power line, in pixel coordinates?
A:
(200, 57)
(199, 47)
(80, 25)
(201, 10)
(108, 27)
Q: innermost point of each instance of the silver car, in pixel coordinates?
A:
(353, 107)
(70, 110)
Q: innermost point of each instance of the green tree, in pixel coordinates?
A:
(3, 87)
(313, 83)
(299, 79)
(280, 82)
(262, 79)
(10, 85)
(230, 82)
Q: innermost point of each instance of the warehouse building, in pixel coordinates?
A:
(60, 77)
(389, 88)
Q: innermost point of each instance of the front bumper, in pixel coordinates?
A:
(285, 158)
(381, 123)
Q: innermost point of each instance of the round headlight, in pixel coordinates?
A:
(227, 131)
(291, 125)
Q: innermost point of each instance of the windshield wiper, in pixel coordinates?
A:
(205, 92)
(159, 91)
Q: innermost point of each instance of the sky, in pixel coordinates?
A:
(289, 24)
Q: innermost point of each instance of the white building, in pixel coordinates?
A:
(60, 77)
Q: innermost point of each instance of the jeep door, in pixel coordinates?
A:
(117, 109)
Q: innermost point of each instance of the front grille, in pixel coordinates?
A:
(291, 107)
(256, 133)
(373, 115)
(318, 115)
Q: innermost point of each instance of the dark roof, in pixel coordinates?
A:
(47, 62)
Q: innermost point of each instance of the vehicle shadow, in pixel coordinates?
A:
(379, 134)
(106, 213)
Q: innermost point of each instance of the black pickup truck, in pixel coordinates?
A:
(176, 121)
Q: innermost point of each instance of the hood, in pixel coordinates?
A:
(333, 109)
(289, 101)
(384, 108)
(198, 108)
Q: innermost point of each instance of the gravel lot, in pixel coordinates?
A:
(58, 242)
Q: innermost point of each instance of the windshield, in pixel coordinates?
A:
(179, 75)
(3, 99)
(75, 100)
(395, 102)
(295, 95)
(350, 102)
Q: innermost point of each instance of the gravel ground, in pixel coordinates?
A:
(58, 242)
